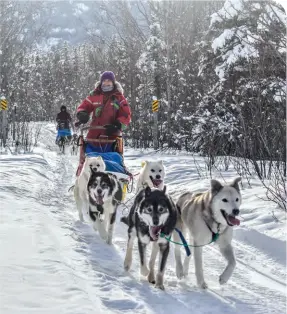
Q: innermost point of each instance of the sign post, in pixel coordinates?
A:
(3, 103)
(14, 123)
(155, 107)
(4, 124)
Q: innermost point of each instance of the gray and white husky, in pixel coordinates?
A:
(152, 213)
(203, 215)
(105, 193)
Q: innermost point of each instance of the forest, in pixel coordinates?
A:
(218, 69)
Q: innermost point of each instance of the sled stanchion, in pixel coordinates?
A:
(79, 140)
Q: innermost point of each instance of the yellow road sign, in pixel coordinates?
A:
(4, 104)
(155, 106)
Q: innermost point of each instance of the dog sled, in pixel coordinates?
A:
(64, 136)
(111, 150)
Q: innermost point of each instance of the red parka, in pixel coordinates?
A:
(106, 108)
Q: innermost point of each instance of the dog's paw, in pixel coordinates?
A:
(109, 241)
(104, 238)
(101, 217)
(223, 279)
(103, 234)
(151, 278)
(179, 272)
(81, 216)
(159, 286)
(202, 285)
(185, 273)
(128, 262)
(127, 265)
(159, 281)
(144, 271)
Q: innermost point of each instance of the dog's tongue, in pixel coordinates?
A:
(99, 200)
(156, 182)
(154, 232)
(234, 221)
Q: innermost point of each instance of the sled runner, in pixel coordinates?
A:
(111, 150)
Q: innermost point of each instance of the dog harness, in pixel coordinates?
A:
(186, 246)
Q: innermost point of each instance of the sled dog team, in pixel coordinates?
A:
(154, 217)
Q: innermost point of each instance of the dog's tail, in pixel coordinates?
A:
(71, 188)
(125, 220)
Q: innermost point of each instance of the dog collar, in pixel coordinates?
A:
(212, 220)
(214, 235)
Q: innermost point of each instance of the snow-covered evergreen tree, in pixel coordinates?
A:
(242, 90)
(218, 69)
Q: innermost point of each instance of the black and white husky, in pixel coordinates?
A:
(105, 193)
(91, 164)
(152, 214)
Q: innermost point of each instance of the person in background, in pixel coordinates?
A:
(64, 124)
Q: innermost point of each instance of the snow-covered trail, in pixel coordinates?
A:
(50, 262)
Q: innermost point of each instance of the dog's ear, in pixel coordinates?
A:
(110, 176)
(216, 186)
(164, 189)
(147, 191)
(113, 179)
(235, 184)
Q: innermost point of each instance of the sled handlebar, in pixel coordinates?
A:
(85, 128)
(93, 128)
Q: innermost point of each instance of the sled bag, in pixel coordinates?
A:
(114, 161)
(64, 132)
(101, 148)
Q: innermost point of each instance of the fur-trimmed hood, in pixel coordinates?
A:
(118, 86)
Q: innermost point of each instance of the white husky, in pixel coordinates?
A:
(206, 215)
(95, 164)
(152, 174)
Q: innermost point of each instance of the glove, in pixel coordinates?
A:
(83, 117)
(113, 128)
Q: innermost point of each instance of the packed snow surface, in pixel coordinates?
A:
(50, 262)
